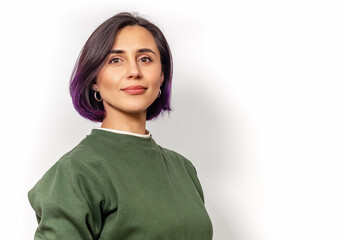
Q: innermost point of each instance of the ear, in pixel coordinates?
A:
(94, 87)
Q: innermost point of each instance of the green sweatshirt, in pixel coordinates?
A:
(115, 186)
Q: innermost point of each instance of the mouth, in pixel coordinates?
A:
(134, 90)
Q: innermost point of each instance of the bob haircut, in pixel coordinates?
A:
(92, 59)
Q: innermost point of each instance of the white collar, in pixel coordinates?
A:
(148, 135)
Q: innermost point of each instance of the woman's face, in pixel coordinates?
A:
(130, 80)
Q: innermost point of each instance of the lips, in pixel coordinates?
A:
(136, 89)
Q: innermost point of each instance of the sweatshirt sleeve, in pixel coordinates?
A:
(68, 202)
(194, 176)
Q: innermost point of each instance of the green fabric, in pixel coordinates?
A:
(115, 186)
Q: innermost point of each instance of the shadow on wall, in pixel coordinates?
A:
(201, 127)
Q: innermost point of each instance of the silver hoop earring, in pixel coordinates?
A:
(159, 93)
(95, 95)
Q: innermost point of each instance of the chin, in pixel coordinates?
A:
(137, 106)
(132, 107)
(135, 109)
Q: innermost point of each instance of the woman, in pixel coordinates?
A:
(117, 183)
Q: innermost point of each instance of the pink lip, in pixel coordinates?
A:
(135, 89)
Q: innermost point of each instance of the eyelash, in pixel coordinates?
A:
(149, 60)
(113, 60)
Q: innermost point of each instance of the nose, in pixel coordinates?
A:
(134, 71)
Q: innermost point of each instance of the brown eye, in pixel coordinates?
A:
(145, 59)
(115, 60)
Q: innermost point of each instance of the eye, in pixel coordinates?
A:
(145, 59)
(115, 60)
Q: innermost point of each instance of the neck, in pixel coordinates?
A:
(129, 122)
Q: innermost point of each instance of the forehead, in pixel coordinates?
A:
(133, 37)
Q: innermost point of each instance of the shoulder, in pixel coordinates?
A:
(65, 172)
(85, 156)
(172, 153)
(188, 165)
(81, 159)
(73, 169)
(175, 156)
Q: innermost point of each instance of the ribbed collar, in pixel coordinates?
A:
(148, 135)
(123, 138)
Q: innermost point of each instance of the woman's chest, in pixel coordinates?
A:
(155, 199)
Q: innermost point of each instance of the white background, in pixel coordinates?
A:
(256, 107)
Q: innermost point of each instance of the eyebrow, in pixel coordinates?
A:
(142, 50)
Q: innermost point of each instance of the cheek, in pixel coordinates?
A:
(107, 84)
(155, 77)
(156, 84)
(107, 80)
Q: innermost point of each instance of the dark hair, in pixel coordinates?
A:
(92, 58)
